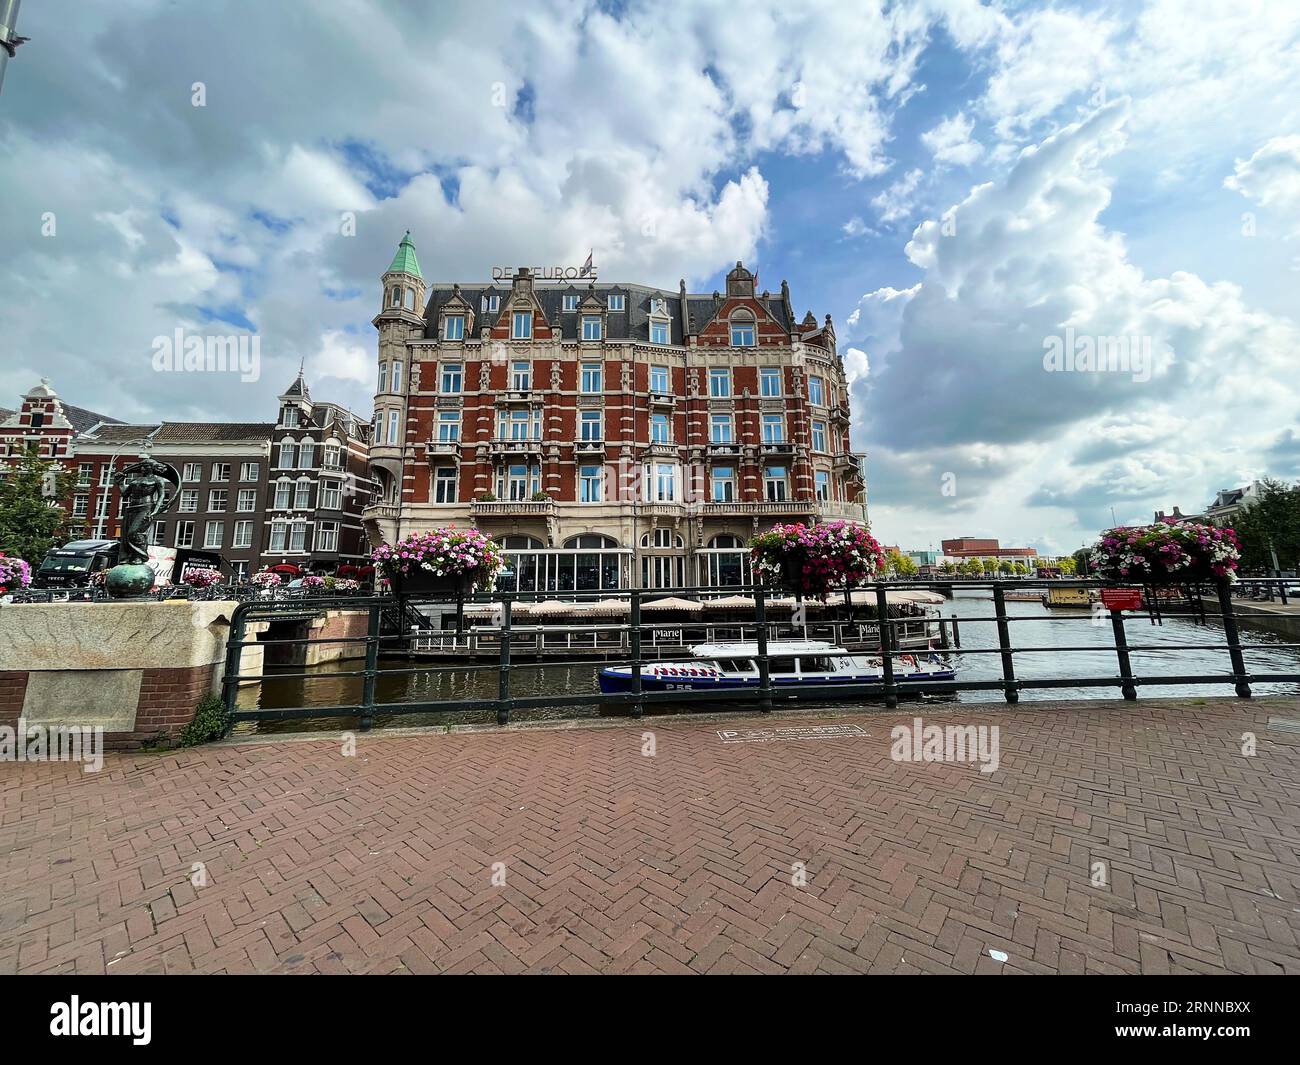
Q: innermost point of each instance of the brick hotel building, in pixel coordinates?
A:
(608, 435)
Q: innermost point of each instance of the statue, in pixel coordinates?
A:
(148, 488)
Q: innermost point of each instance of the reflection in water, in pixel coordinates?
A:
(329, 687)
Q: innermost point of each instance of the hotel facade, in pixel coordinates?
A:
(607, 435)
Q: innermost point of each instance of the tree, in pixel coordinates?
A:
(1271, 523)
(948, 566)
(1082, 566)
(972, 567)
(31, 518)
(1006, 566)
(1066, 566)
(899, 565)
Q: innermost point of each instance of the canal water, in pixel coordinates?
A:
(1036, 626)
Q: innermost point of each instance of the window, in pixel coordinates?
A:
(742, 331)
(217, 499)
(720, 382)
(84, 472)
(393, 417)
(591, 377)
(185, 534)
(395, 296)
(327, 536)
(189, 501)
(331, 495)
(664, 487)
(570, 301)
(80, 506)
(659, 379)
(298, 536)
(333, 457)
(616, 301)
(816, 392)
(307, 454)
(408, 298)
(289, 417)
(288, 455)
(769, 381)
(590, 327)
(822, 480)
(659, 429)
(774, 484)
(158, 534)
(383, 377)
(519, 482)
(448, 426)
(397, 377)
(453, 327)
(590, 427)
(239, 572)
(720, 429)
(522, 325)
(519, 425)
(773, 429)
(724, 484)
(282, 490)
(302, 495)
(444, 485)
(213, 533)
(521, 376)
(37, 419)
(658, 331)
(451, 377)
(249, 471)
(491, 303)
(243, 534)
(819, 436)
(106, 474)
(589, 478)
(279, 536)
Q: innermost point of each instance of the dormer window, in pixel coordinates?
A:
(570, 301)
(453, 327)
(290, 418)
(742, 330)
(521, 327)
(591, 327)
(491, 304)
(617, 301)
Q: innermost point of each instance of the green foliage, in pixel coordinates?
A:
(899, 565)
(487, 497)
(210, 722)
(971, 567)
(1273, 519)
(31, 519)
(1067, 567)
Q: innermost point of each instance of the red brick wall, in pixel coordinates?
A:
(13, 689)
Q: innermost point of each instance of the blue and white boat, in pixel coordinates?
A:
(723, 667)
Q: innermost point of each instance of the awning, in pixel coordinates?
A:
(920, 595)
(731, 602)
(673, 603)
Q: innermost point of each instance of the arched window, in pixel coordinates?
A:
(590, 541)
(519, 543)
(395, 299)
(410, 298)
(742, 329)
(726, 540)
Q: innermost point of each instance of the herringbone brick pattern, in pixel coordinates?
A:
(681, 862)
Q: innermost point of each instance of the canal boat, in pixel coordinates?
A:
(792, 664)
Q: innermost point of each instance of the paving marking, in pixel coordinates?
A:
(789, 732)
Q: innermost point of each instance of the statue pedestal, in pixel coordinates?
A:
(136, 669)
(129, 581)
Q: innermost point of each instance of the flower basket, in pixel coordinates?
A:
(815, 560)
(1165, 554)
(15, 573)
(450, 561)
(265, 579)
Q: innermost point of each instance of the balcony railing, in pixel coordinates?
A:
(766, 506)
(379, 510)
(840, 413)
(662, 399)
(441, 449)
(514, 447)
(588, 447)
(513, 508)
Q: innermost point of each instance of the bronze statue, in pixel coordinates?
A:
(148, 488)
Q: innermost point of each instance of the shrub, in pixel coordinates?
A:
(210, 722)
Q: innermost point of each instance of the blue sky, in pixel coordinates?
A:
(957, 183)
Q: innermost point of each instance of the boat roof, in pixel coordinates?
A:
(774, 647)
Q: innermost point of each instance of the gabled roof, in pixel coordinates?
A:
(84, 420)
(118, 433)
(214, 432)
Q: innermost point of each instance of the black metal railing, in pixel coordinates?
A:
(376, 645)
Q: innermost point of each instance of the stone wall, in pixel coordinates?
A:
(136, 669)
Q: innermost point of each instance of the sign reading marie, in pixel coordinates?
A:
(548, 273)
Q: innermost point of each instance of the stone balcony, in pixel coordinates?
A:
(513, 508)
(664, 400)
(766, 507)
(588, 449)
(442, 449)
(506, 449)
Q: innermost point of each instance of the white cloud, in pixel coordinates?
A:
(951, 141)
(896, 202)
(1271, 177)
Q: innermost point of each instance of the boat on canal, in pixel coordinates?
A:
(792, 664)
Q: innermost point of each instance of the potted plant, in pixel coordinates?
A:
(1163, 554)
(814, 560)
(440, 560)
(15, 573)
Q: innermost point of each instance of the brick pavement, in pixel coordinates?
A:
(681, 862)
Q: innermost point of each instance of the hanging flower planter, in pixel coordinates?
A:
(1164, 554)
(815, 560)
(440, 560)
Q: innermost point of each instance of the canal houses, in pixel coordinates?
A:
(608, 435)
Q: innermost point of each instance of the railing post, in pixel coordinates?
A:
(1004, 642)
(764, 673)
(234, 650)
(886, 646)
(1121, 651)
(372, 668)
(503, 670)
(1240, 677)
(634, 619)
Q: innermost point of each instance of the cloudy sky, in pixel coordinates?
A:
(955, 182)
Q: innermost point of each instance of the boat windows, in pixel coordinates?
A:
(816, 664)
(781, 665)
(736, 665)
